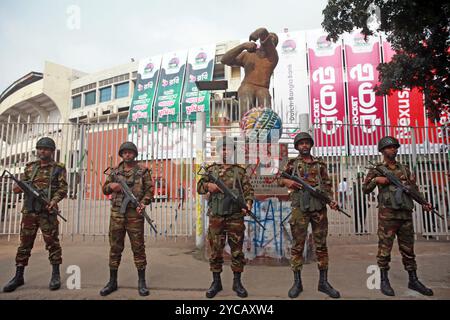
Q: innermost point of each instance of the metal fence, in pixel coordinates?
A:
(423, 149)
(348, 153)
(168, 149)
(87, 150)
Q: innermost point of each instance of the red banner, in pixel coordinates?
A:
(439, 132)
(327, 99)
(405, 108)
(366, 110)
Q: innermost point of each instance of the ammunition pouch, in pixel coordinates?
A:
(117, 199)
(305, 202)
(393, 198)
(222, 205)
(35, 205)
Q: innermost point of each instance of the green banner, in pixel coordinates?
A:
(145, 90)
(170, 85)
(200, 68)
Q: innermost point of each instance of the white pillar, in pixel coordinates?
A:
(200, 147)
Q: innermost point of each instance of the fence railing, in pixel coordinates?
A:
(168, 149)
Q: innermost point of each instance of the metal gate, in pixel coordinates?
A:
(425, 150)
(87, 150)
(168, 149)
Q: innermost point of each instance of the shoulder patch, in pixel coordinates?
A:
(319, 159)
(142, 167)
(61, 165)
(241, 168)
(31, 163)
(211, 166)
(292, 160)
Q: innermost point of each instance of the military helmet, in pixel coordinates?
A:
(46, 142)
(128, 145)
(224, 141)
(302, 136)
(386, 142)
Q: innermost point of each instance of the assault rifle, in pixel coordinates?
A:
(131, 198)
(401, 188)
(316, 193)
(32, 194)
(239, 200)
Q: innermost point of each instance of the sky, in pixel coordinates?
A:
(92, 35)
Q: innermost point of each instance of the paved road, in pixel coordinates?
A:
(178, 271)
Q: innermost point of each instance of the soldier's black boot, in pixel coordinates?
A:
(325, 287)
(216, 286)
(15, 282)
(55, 281)
(416, 285)
(111, 286)
(142, 286)
(297, 287)
(385, 285)
(238, 287)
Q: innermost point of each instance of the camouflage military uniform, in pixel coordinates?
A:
(314, 212)
(140, 183)
(51, 179)
(393, 219)
(231, 223)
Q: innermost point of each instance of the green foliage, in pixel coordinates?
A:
(419, 32)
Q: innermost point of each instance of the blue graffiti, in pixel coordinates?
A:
(265, 211)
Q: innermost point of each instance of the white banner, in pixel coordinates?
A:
(164, 141)
(291, 78)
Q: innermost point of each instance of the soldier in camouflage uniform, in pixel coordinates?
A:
(225, 218)
(49, 177)
(307, 209)
(394, 217)
(138, 178)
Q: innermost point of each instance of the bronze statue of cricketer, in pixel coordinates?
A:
(258, 64)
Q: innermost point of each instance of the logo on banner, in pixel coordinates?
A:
(288, 46)
(173, 63)
(201, 58)
(293, 132)
(323, 43)
(148, 68)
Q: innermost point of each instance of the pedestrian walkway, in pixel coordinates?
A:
(178, 271)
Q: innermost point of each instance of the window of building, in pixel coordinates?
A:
(105, 94)
(235, 72)
(219, 72)
(122, 90)
(85, 88)
(76, 102)
(120, 78)
(123, 118)
(89, 98)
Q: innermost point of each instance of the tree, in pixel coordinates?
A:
(419, 32)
